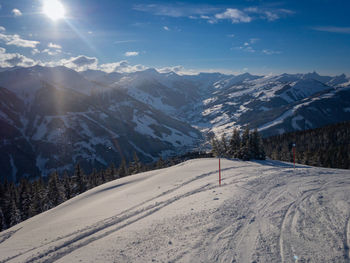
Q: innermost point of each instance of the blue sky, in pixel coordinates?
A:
(257, 36)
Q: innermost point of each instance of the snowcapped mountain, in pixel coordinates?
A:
(50, 121)
(263, 212)
(52, 118)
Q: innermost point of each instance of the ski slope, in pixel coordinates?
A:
(264, 212)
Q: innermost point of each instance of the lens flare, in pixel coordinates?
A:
(54, 9)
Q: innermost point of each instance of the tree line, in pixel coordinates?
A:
(26, 199)
(328, 146)
(247, 145)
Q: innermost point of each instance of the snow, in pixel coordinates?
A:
(278, 120)
(264, 212)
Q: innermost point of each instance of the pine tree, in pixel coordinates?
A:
(55, 191)
(123, 171)
(38, 199)
(25, 198)
(79, 181)
(245, 150)
(67, 185)
(235, 143)
(135, 166)
(224, 149)
(3, 225)
(15, 214)
(215, 147)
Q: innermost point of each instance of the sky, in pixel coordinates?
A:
(187, 37)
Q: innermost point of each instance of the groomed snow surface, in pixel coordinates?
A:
(264, 212)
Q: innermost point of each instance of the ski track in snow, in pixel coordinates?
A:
(265, 212)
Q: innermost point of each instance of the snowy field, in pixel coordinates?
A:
(264, 212)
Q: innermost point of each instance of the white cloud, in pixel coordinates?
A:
(79, 63)
(131, 53)
(2, 29)
(51, 52)
(35, 51)
(16, 12)
(15, 59)
(176, 69)
(52, 45)
(121, 67)
(209, 19)
(16, 40)
(231, 35)
(268, 13)
(176, 10)
(271, 52)
(333, 29)
(235, 15)
(166, 28)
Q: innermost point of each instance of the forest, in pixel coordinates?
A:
(328, 146)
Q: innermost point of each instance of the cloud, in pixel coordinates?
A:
(270, 52)
(333, 29)
(131, 53)
(15, 59)
(2, 29)
(166, 28)
(231, 35)
(268, 13)
(121, 67)
(51, 52)
(81, 61)
(178, 10)
(247, 46)
(235, 15)
(16, 12)
(35, 51)
(176, 69)
(16, 40)
(52, 45)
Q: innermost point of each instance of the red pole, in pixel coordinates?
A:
(219, 173)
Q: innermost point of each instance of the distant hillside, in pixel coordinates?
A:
(328, 146)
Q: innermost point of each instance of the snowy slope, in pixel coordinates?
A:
(263, 212)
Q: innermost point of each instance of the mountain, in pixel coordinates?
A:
(263, 212)
(53, 118)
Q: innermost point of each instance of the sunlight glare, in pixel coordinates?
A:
(53, 9)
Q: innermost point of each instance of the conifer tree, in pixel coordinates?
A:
(123, 171)
(79, 181)
(25, 198)
(15, 214)
(55, 191)
(245, 150)
(3, 225)
(235, 143)
(67, 185)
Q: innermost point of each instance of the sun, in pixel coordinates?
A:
(53, 9)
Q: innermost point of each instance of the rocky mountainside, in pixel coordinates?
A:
(52, 118)
(47, 126)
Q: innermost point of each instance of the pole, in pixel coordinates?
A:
(219, 173)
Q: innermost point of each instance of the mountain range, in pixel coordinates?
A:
(54, 117)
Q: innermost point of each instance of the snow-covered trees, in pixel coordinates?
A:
(246, 146)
